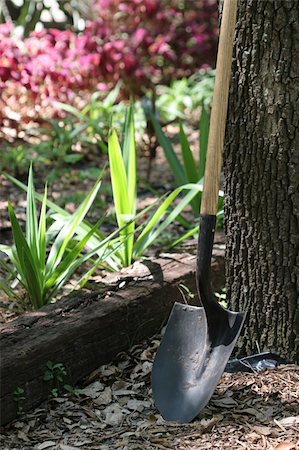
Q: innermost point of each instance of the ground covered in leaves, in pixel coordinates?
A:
(114, 410)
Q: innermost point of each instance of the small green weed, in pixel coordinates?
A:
(185, 292)
(55, 375)
(16, 160)
(19, 397)
(59, 147)
(221, 296)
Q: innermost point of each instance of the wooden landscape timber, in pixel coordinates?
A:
(87, 329)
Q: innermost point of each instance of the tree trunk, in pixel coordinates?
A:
(261, 167)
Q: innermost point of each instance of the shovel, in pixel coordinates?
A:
(198, 340)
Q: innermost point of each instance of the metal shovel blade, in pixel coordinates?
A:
(187, 365)
(196, 345)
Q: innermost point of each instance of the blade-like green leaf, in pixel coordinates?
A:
(204, 125)
(108, 249)
(129, 156)
(12, 254)
(189, 163)
(7, 290)
(31, 219)
(18, 237)
(94, 241)
(153, 229)
(33, 281)
(70, 109)
(189, 167)
(67, 232)
(5, 249)
(63, 270)
(186, 235)
(29, 272)
(76, 131)
(118, 177)
(112, 96)
(124, 211)
(170, 155)
(108, 241)
(42, 240)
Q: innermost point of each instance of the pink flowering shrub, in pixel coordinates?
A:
(141, 42)
(164, 39)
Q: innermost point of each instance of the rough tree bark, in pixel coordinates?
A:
(261, 167)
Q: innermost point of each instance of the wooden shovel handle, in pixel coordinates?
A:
(209, 200)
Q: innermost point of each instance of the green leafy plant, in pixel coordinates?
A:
(185, 95)
(55, 375)
(16, 159)
(94, 117)
(55, 372)
(201, 87)
(72, 389)
(187, 171)
(171, 101)
(123, 177)
(44, 269)
(185, 292)
(99, 244)
(222, 297)
(19, 397)
(59, 147)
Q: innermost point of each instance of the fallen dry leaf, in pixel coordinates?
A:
(113, 415)
(226, 402)
(46, 444)
(68, 447)
(288, 421)
(23, 436)
(265, 431)
(286, 446)
(93, 390)
(138, 405)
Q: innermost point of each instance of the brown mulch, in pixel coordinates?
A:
(114, 411)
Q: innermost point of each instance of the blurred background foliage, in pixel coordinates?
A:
(66, 50)
(47, 13)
